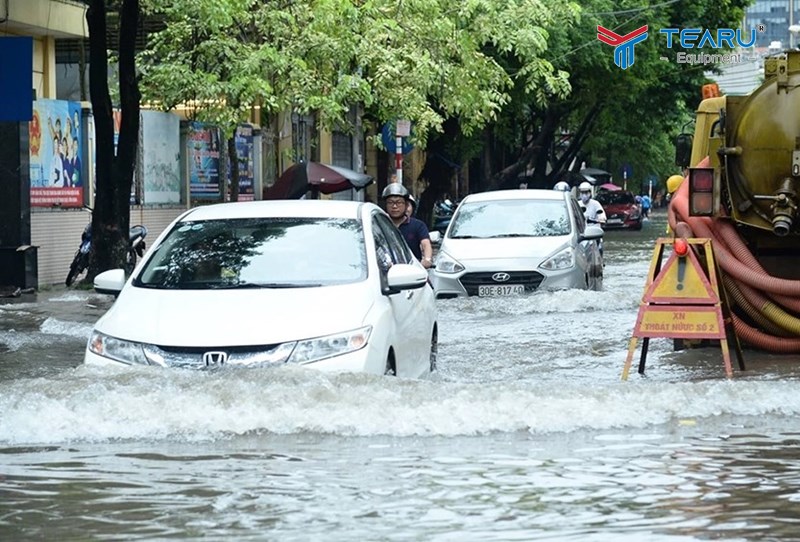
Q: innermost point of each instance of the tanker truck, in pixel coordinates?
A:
(741, 191)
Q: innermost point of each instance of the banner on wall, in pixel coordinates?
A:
(160, 157)
(243, 140)
(202, 153)
(55, 149)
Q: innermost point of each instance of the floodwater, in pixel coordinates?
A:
(525, 433)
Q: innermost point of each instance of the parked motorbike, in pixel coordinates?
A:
(80, 262)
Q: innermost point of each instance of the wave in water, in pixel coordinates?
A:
(92, 404)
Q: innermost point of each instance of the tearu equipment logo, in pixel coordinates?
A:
(623, 45)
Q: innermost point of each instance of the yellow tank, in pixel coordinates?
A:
(762, 149)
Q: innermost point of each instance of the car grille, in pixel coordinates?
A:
(530, 279)
(193, 357)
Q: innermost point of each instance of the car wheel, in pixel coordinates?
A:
(434, 348)
(391, 368)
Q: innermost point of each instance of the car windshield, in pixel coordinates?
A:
(258, 253)
(615, 198)
(511, 218)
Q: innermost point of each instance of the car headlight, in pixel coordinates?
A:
(312, 350)
(117, 349)
(446, 264)
(561, 260)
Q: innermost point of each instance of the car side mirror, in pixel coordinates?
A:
(591, 232)
(404, 276)
(683, 150)
(110, 282)
(436, 237)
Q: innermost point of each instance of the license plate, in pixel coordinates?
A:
(501, 291)
(614, 221)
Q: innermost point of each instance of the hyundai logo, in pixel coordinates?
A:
(501, 277)
(215, 359)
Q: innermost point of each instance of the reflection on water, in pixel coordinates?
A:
(668, 483)
(525, 433)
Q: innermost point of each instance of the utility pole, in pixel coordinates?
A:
(403, 129)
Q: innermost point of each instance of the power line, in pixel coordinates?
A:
(635, 10)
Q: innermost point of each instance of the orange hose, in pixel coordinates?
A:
(754, 337)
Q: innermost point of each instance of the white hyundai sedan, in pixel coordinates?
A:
(326, 284)
(511, 242)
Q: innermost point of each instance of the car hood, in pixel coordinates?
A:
(234, 317)
(536, 248)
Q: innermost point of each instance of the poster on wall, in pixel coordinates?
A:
(244, 151)
(160, 157)
(55, 149)
(202, 153)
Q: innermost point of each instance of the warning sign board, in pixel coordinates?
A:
(682, 280)
(682, 301)
(680, 322)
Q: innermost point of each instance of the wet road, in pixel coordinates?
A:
(526, 432)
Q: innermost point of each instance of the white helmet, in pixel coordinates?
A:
(561, 186)
(584, 187)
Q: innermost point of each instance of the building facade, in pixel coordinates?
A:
(771, 20)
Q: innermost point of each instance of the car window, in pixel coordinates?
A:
(511, 218)
(616, 198)
(396, 242)
(580, 220)
(267, 252)
(382, 250)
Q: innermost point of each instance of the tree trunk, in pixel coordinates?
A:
(233, 160)
(111, 214)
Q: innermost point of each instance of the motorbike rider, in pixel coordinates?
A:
(592, 209)
(411, 208)
(396, 200)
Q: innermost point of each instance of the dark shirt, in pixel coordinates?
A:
(414, 231)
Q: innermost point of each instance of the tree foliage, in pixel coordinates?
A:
(612, 116)
(422, 60)
(525, 82)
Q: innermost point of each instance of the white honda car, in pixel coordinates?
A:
(326, 284)
(512, 242)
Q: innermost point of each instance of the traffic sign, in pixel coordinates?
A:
(684, 300)
(403, 128)
(388, 139)
(627, 171)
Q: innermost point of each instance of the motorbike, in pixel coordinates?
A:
(442, 213)
(80, 262)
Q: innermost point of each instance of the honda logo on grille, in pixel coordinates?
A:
(501, 277)
(214, 359)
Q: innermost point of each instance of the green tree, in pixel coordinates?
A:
(612, 115)
(422, 60)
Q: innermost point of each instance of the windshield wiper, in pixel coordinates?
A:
(466, 237)
(510, 235)
(275, 285)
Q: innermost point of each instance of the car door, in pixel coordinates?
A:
(411, 343)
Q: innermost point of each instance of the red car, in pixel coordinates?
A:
(622, 210)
